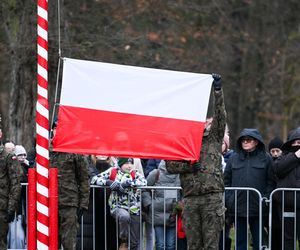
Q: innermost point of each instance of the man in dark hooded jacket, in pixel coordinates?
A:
(202, 182)
(250, 166)
(287, 170)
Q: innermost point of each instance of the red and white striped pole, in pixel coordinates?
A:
(42, 128)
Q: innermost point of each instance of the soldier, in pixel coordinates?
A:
(202, 182)
(73, 193)
(10, 189)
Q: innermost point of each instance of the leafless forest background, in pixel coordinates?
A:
(253, 44)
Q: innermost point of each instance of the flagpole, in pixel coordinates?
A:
(42, 128)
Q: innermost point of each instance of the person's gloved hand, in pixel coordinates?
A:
(217, 83)
(124, 185)
(80, 212)
(108, 182)
(114, 186)
(94, 180)
(10, 216)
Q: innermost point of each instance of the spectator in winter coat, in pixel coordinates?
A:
(151, 165)
(9, 189)
(16, 234)
(202, 182)
(275, 147)
(125, 200)
(250, 166)
(287, 170)
(162, 207)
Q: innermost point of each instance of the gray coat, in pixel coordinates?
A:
(163, 200)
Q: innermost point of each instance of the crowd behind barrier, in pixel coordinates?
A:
(97, 224)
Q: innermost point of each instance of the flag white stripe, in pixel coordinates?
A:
(142, 91)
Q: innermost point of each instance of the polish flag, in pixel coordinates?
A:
(118, 110)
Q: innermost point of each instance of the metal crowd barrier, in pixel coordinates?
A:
(98, 234)
(287, 213)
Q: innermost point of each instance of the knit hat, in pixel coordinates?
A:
(20, 150)
(122, 161)
(276, 142)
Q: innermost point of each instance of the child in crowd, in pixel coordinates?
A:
(125, 200)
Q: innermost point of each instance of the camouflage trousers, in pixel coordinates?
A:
(68, 227)
(203, 220)
(3, 230)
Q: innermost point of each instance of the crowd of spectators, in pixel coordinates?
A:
(134, 199)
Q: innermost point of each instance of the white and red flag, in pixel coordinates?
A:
(110, 109)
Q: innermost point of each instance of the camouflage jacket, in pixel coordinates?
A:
(10, 187)
(209, 177)
(73, 180)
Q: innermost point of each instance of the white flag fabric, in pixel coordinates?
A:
(118, 110)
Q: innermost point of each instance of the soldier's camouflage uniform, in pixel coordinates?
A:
(73, 194)
(204, 211)
(10, 190)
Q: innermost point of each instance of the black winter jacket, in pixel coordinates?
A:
(287, 170)
(248, 169)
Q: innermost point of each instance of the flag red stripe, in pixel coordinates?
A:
(120, 134)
